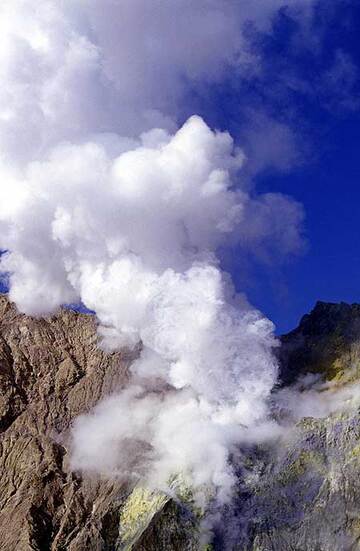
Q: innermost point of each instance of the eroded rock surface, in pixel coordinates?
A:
(51, 371)
(301, 494)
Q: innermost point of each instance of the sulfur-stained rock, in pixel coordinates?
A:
(151, 520)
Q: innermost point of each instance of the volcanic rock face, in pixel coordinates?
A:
(326, 342)
(51, 370)
(307, 494)
(303, 493)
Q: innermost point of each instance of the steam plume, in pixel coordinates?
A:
(105, 200)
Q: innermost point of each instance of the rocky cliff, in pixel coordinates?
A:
(50, 371)
(301, 492)
(306, 495)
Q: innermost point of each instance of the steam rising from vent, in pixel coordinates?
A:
(131, 225)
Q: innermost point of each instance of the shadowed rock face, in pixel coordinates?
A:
(303, 494)
(326, 342)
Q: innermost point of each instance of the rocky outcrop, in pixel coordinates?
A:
(52, 370)
(307, 495)
(327, 342)
(300, 494)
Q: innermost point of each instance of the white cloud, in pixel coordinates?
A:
(68, 68)
(104, 200)
(134, 236)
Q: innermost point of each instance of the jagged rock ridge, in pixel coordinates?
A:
(327, 342)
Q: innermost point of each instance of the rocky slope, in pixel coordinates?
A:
(306, 496)
(300, 493)
(50, 371)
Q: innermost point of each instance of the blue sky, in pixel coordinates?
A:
(310, 86)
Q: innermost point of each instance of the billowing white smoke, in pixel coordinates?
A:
(131, 225)
(73, 68)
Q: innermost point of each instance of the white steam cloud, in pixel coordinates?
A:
(105, 201)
